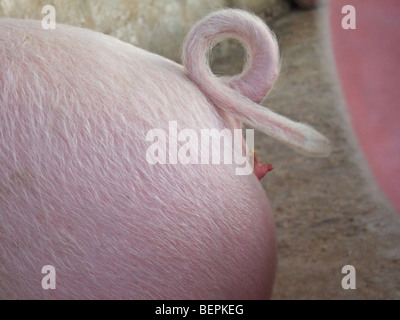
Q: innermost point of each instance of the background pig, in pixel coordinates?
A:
(367, 62)
(76, 191)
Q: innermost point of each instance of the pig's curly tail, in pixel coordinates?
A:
(239, 95)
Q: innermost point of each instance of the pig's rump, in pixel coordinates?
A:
(76, 190)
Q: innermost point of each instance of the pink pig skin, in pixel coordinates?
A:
(367, 60)
(307, 4)
(77, 193)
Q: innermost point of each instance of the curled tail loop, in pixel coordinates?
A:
(239, 95)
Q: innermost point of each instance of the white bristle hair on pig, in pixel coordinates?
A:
(77, 192)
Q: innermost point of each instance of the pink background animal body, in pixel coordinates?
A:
(367, 63)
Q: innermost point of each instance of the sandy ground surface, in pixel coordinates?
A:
(327, 214)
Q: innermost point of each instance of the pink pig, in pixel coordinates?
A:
(367, 61)
(76, 190)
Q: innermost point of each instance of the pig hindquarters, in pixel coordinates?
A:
(77, 193)
(76, 189)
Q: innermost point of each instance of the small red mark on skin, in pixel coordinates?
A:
(261, 169)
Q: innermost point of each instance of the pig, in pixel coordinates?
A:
(78, 194)
(367, 63)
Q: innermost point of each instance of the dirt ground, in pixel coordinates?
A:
(326, 212)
